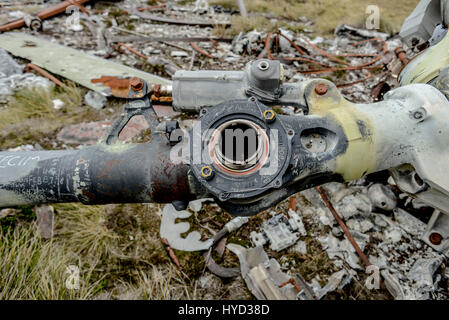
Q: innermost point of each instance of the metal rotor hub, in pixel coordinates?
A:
(247, 154)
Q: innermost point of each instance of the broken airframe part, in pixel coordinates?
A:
(218, 270)
(172, 231)
(35, 23)
(382, 197)
(69, 63)
(263, 276)
(420, 24)
(195, 90)
(280, 231)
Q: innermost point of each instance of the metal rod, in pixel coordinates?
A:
(343, 226)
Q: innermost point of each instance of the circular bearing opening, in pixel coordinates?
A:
(239, 147)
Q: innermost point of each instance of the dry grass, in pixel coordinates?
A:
(30, 115)
(35, 269)
(112, 264)
(325, 15)
(162, 282)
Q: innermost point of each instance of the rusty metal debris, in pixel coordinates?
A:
(69, 63)
(44, 73)
(119, 87)
(343, 226)
(199, 50)
(130, 49)
(306, 58)
(35, 22)
(173, 257)
(369, 214)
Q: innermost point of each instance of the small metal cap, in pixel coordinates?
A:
(435, 238)
(321, 88)
(269, 116)
(207, 172)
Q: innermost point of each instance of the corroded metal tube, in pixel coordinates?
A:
(120, 173)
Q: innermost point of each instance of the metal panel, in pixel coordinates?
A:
(70, 63)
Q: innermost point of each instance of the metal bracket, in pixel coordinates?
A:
(138, 103)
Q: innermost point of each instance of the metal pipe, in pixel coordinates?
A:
(44, 14)
(120, 173)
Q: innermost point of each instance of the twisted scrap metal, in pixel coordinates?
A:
(325, 68)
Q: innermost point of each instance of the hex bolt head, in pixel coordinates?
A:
(269, 116)
(435, 238)
(418, 115)
(223, 196)
(321, 88)
(207, 172)
(136, 84)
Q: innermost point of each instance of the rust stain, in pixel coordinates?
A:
(119, 86)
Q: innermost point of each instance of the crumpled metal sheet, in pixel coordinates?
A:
(70, 63)
(264, 276)
(172, 231)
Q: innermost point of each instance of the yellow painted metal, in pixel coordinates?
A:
(427, 65)
(360, 155)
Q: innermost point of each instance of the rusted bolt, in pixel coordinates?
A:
(207, 172)
(435, 238)
(321, 88)
(402, 56)
(136, 84)
(269, 116)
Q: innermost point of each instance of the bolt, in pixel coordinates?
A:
(224, 195)
(435, 238)
(418, 115)
(400, 53)
(269, 116)
(321, 88)
(36, 25)
(207, 172)
(136, 84)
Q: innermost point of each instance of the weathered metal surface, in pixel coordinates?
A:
(172, 231)
(121, 173)
(427, 65)
(70, 63)
(44, 14)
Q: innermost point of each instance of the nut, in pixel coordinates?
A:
(136, 84)
(207, 172)
(321, 88)
(269, 115)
